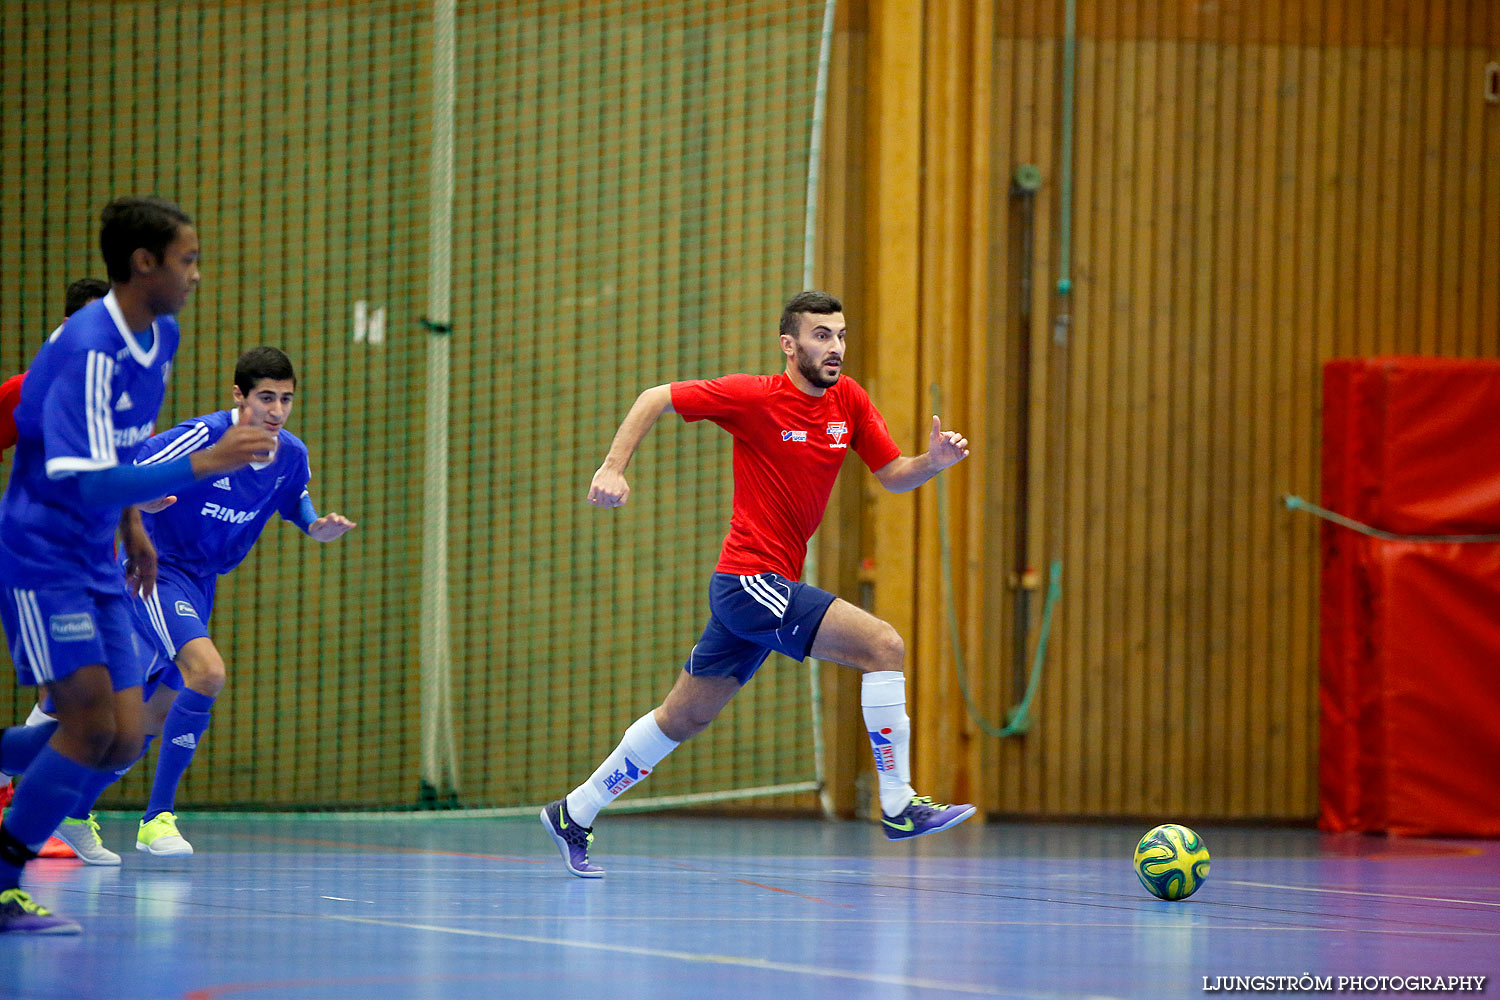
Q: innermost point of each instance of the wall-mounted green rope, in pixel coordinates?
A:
(1018, 719)
(1297, 503)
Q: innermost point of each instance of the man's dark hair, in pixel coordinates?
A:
(817, 303)
(131, 223)
(262, 363)
(82, 292)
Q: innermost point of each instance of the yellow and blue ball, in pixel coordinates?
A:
(1171, 862)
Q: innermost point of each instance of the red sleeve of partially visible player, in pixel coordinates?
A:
(872, 439)
(721, 400)
(10, 395)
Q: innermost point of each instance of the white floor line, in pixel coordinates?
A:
(711, 959)
(1357, 892)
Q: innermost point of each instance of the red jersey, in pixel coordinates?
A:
(788, 447)
(10, 395)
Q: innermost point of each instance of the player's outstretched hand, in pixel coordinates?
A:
(239, 446)
(609, 489)
(156, 506)
(328, 527)
(140, 560)
(946, 447)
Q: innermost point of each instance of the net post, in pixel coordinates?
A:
(809, 256)
(439, 758)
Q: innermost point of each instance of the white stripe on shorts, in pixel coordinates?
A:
(765, 594)
(33, 635)
(159, 620)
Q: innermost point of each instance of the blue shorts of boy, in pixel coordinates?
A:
(752, 616)
(55, 631)
(172, 616)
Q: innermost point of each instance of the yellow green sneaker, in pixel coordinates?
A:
(158, 837)
(82, 835)
(20, 914)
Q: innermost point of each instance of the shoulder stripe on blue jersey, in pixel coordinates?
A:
(188, 443)
(101, 424)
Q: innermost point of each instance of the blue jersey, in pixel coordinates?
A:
(214, 523)
(89, 402)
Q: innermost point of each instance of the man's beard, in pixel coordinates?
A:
(814, 373)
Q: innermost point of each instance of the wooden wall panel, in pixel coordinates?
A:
(1259, 187)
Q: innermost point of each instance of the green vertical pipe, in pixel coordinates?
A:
(1065, 184)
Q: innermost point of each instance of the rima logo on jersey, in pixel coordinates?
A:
(623, 779)
(836, 430)
(885, 754)
(225, 514)
(794, 435)
(126, 437)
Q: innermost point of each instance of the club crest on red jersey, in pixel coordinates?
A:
(836, 430)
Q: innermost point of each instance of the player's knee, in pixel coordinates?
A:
(124, 749)
(207, 675)
(682, 723)
(91, 740)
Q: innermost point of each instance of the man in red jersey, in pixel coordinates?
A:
(791, 432)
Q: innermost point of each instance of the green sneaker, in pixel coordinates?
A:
(83, 836)
(20, 914)
(159, 837)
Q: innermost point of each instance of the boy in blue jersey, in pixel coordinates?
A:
(79, 294)
(90, 400)
(200, 535)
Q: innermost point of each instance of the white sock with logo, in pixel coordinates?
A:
(883, 698)
(640, 750)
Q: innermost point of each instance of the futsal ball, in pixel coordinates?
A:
(1171, 862)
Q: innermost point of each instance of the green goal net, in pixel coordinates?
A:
(628, 188)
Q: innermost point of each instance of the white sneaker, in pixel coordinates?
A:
(161, 838)
(83, 836)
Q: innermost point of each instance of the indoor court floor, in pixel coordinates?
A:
(714, 907)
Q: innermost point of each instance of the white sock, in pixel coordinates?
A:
(641, 749)
(883, 697)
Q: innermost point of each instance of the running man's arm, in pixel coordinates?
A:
(944, 448)
(297, 508)
(140, 554)
(320, 529)
(126, 485)
(609, 488)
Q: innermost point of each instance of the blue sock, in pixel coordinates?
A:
(47, 791)
(19, 746)
(186, 723)
(102, 780)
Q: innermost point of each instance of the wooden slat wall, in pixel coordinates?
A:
(1258, 187)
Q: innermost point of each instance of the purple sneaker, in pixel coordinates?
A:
(922, 815)
(19, 915)
(571, 839)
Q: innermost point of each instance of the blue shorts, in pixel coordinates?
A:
(752, 616)
(172, 616)
(53, 632)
